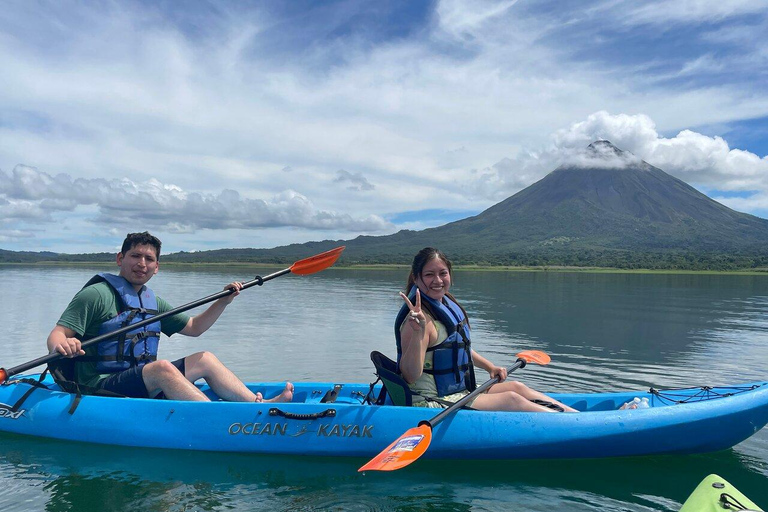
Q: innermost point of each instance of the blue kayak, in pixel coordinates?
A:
(329, 419)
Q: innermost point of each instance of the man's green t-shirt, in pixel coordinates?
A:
(92, 306)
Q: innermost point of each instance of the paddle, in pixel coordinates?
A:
(303, 267)
(414, 442)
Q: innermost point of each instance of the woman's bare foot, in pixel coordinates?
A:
(285, 396)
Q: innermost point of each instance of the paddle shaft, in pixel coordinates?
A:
(5, 374)
(520, 363)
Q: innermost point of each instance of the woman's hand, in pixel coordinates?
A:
(416, 318)
(415, 335)
(498, 372)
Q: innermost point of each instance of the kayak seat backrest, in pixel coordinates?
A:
(581, 405)
(63, 373)
(394, 383)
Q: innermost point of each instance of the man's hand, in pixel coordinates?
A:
(63, 341)
(237, 286)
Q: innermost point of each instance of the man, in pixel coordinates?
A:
(128, 364)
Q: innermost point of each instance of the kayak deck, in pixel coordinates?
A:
(354, 394)
(715, 494)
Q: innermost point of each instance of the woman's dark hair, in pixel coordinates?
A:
(423, 257)
(134, 239)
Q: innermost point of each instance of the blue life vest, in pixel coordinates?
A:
(452, 368)
(133, 348)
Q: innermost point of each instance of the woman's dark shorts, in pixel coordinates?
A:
(131, 383)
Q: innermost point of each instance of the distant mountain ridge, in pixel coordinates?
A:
(612, 209)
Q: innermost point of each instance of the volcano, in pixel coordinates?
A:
(618, 202)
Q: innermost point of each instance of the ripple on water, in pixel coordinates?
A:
(597, 374)
(21, 485)
(336, 503)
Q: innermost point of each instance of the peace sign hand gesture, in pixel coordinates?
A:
(416, 318)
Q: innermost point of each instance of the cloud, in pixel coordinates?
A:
(666, 12)
(698, 159)
(15, 235)
(22, 210)
(628, 132)
(30, 194)
(356, 180)
(463, 20)
(757, 202)
(503, 178)
(693, 157)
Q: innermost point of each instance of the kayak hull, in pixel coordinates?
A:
(346, 427)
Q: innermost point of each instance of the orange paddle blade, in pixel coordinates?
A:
(317, 262)
(534, 356)
(406, 449)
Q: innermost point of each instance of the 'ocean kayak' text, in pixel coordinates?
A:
(281, 429)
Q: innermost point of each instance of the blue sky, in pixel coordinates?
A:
(257, 124)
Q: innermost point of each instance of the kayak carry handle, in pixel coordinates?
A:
(274, 411)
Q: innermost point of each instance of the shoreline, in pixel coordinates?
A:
(392, 266)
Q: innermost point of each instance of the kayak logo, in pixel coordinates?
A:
(343, 430)
(258, 429)
(407, 444)
(281, 429)
(6, 411)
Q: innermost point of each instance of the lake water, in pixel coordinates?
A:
(603, 331)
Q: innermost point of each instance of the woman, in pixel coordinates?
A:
(433, 347)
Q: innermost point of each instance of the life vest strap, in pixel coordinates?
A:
(446, 371)
(95, 359)
(448, 344)
(120, 356)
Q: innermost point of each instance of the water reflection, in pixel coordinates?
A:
(87, 477)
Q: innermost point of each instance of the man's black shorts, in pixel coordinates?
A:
(131, 383)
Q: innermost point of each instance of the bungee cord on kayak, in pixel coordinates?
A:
(670, 396)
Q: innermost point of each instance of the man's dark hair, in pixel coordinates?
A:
(134, 239)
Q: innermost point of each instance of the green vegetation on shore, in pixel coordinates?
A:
(392, 266)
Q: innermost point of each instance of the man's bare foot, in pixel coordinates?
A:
(285, 396)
